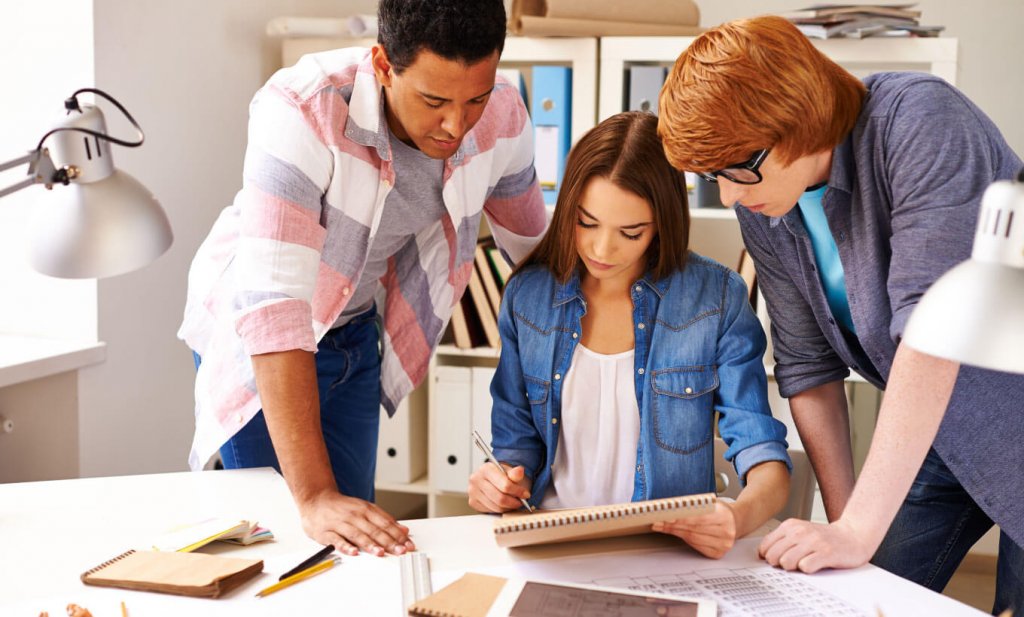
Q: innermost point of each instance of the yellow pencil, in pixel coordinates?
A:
(124, 609)
(299, 576)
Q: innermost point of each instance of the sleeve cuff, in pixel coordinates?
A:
(790, 385)
(756, 454)
(529, 459)
(281, 326)
(899, 322)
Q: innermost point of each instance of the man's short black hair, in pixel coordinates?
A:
(464, 30)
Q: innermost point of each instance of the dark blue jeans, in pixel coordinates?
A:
(348, 376)
(936, 526)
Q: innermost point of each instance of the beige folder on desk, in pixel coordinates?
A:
(185, 574)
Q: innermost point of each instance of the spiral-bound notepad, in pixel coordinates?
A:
(187, 574)
(622, 519)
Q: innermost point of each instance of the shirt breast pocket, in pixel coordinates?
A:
(536, 391)
(683, 407)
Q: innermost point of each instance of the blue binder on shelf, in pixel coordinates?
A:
(645, 84)
(551, 111)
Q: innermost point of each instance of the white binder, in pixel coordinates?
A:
(450, 452)
(482, 376)
(402, 444)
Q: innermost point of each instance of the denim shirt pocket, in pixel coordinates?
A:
(683, 405)
(536, 390)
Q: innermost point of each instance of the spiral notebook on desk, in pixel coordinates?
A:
(623, 519)
(185, 574)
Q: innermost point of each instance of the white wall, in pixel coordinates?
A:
(990, 46)
(42, 61)
(186, 70)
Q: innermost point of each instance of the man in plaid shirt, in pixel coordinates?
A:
(365, 177)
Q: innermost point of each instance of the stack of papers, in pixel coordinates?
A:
(188, 538)
(824, 21)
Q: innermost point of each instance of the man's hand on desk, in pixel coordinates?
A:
(712, 535)
(352, 525)
(809, 547)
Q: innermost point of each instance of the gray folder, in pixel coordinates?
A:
(644, 86)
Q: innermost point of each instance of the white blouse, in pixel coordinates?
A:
(600, 427)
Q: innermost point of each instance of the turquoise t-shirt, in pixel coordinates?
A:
(826, 254)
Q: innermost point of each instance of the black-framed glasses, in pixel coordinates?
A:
(746, 172)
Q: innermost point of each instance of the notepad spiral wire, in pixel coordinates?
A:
(560, 518)
(108, 562)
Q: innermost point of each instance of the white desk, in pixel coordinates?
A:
(50, 532)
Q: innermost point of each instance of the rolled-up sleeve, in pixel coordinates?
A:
(286, 171)
(752, 435)
(804, 358)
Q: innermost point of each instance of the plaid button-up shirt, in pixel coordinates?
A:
(282, 261)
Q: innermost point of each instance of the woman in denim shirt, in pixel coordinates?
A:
(619, 346)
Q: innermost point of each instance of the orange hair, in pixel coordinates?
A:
(625, 150)
(751, 84)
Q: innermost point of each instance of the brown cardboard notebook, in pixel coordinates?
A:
(470, 596)
(623, 519)
(185, 574)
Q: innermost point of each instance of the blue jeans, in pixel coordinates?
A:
(936, 526)
(348, 376)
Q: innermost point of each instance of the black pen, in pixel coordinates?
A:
(319, 556)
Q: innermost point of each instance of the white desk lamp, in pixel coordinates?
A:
(106, 222)
(974, 313)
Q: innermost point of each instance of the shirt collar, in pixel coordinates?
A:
(569, 290)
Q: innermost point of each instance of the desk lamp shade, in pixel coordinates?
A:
(974, 314)
(103, 223)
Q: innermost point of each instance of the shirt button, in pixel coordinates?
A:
(688, 390)
(640, 326)
(554, 420)
(638, 288)
(575, 335)
(832, 321)
(641, 371)
(558, 376)
(639, 467)
(346, 291)
(240, 418)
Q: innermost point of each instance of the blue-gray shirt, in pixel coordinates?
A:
(902, 203)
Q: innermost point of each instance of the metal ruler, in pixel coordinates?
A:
(415, 571)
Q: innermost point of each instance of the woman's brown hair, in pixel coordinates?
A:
(625, 150)
(751, 84)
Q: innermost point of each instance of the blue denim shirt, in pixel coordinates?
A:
(698, 350)
(902, 204)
